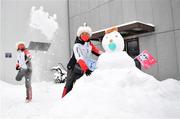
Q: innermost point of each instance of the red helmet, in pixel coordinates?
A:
(21, 46)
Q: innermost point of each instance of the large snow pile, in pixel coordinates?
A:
(122, 91)
(109, 93)
(115, 90)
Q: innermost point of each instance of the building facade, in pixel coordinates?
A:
(163, 43)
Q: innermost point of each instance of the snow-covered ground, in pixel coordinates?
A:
(115, 90)
(111, 92)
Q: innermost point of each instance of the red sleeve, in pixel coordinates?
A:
(17, 65)
(82, 65)
(95, 50)
(27, 53)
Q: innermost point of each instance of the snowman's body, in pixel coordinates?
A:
(113, 44)
(119, 60)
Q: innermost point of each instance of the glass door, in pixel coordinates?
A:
(132, 48)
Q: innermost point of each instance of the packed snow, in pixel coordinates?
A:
(110, 92)
(125, 24)
(115, 90)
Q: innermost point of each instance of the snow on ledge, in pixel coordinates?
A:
(125, 24)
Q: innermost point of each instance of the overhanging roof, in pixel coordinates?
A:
(128, 29)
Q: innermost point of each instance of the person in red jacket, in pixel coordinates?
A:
(24, 68)
(78, 64)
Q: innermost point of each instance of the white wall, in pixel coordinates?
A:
(177, 40)
(167, 58)
(176, 19)
(148, 42)
(0, 41)
(15, 27)
(164, 17)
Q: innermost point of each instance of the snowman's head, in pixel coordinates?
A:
(113, 41)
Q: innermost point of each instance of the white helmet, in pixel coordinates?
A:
(84, 28)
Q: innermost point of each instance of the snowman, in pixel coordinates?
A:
(113, 41)
(114, 56)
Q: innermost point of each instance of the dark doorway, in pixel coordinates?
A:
(132, 48)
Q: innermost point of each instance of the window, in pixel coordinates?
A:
(8, 55)
(132, 48)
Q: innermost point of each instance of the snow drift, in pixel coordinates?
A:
(112, 93)
(120, 90)
(115, 90)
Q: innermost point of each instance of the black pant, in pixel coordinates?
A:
(72, 76)
(27, 74)
(24, 73)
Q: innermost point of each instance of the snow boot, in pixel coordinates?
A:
(64, 92)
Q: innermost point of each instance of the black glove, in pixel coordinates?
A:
(17, 67)
(88, 72)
